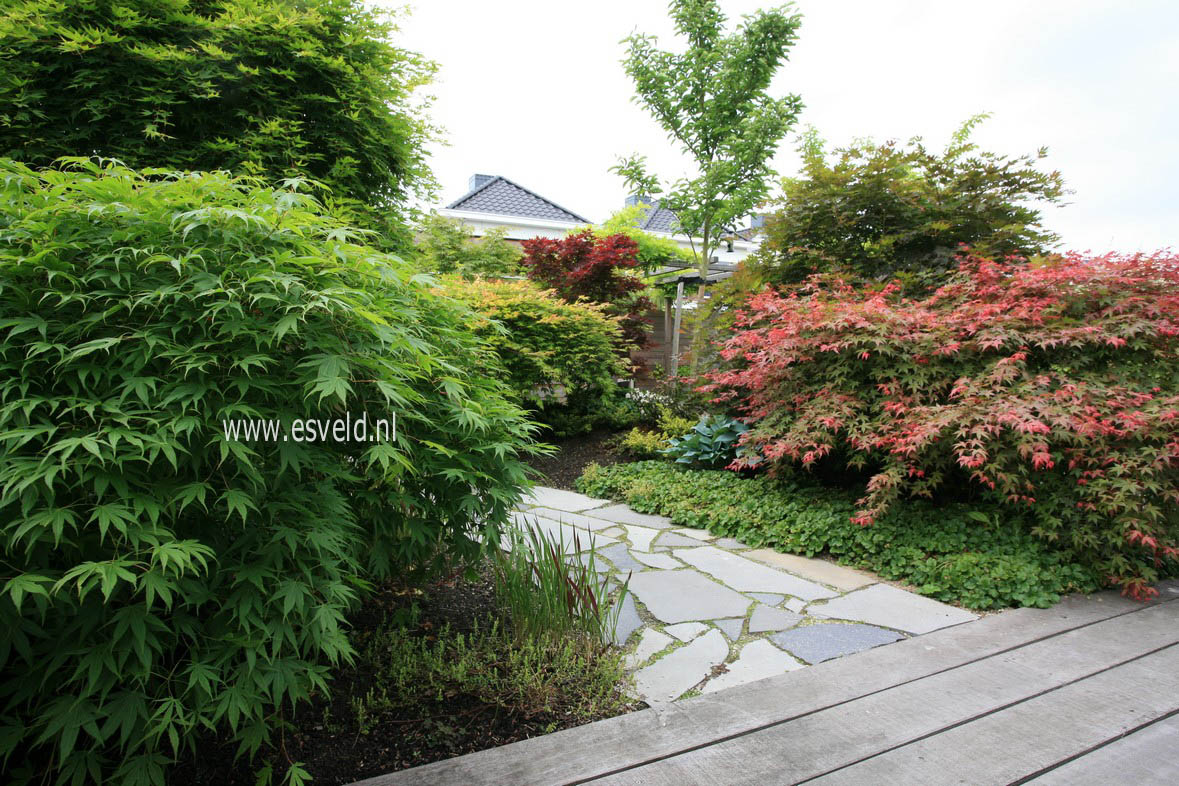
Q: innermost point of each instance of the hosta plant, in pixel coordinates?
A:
(712, 442)
(160, 579)
(1053, 387)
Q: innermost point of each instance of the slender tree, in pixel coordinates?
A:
(713, 99)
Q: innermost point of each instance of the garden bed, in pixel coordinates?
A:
(573, 455)
(355, 734)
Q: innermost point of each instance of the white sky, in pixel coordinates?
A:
(533, 90)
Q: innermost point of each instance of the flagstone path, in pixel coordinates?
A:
(705, 613)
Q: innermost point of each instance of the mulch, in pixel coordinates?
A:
(572, 457)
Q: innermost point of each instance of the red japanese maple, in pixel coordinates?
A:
(1054, 386)
(581, 266)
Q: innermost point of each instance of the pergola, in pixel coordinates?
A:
(681, 275)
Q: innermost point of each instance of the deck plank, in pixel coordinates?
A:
(1147, 756)
(814, 744)
(1008, 745)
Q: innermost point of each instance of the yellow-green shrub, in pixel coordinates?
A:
(560, 357)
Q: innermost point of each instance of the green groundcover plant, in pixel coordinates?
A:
(977, 555)
(159, 579)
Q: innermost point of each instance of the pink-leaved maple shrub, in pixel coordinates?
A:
(1052, 385)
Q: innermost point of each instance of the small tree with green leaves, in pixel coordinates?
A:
(878, 211)
(445, 245)
(274, 89)
(713, 100)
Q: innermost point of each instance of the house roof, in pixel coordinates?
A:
(501, 196)
(657, 218)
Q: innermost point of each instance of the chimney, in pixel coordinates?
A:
(478, 181)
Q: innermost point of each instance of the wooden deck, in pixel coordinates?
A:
(1084, 693)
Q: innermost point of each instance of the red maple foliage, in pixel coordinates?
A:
(1054, 386)
(582, 266)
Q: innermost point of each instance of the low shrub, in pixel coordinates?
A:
(163, 579)
(650, 443)
(445, 245)
(1051, 387)
(977, 556)
(559, 357)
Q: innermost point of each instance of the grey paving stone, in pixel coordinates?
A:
(640, 537)
(882, 604)
(664, 561)
(732, 627)
(613, 532)
(686, 631)
(795, 604)
(698, 534)
(686, 595)
(673, 674)
(622, 514)
(749, 576)
(628, 620)
(672, 539)
(820, 570)
(601, 565)
(730, 543)
(545, 497)
(816, 643)
(758, 660)
(768, 618)
(575, 519)
(768, 598)
(651, 641)
(619, 556)
(572, 538)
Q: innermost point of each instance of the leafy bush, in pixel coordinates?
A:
(559, 357)
(1053, 388)
(641, 443)
(654, 251)
(712, 442)
(270, 89)
(444, 245)
(978, 556)
(882, 210)
(161, 578)
(583, 266)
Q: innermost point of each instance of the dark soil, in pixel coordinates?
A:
(573, 455)
(324, 735)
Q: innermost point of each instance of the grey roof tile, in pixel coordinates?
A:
(502, 196)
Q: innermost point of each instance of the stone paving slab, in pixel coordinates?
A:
(622, 514)
(640, 537)
(698, 534)
(686, 631)
(560, 499)
(731, 627)
(758, 660)
(628, 620)
(749, 576)
(650, 642)
(686, 595)
(621, 557)
(678, 672)
(572, 538)
(662, 561)
(675, 539)
(892, 607)
(767, 618)
(820, 570)
(768, 598)
(579, 520)
(817, 643)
